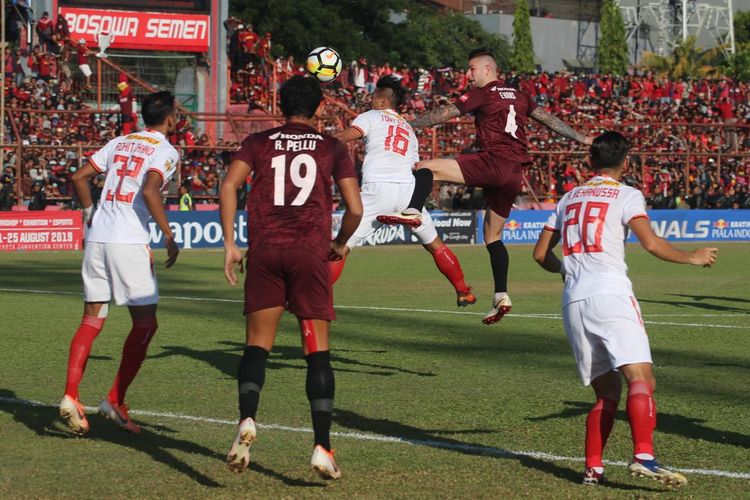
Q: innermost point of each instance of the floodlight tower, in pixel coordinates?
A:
(659, 25)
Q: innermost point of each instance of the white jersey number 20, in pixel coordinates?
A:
(304, 182)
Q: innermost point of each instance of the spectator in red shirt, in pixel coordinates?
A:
(82, 54)
(45, 29)
(126, 105)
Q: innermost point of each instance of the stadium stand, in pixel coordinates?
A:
(688, 135)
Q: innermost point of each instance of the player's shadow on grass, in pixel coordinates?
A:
(431, 439)
(227, 359)
(288, 481)
(668, 423)
(712, 297)
(696, 302)
(43, 420)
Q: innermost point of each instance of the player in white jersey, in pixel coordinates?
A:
(391, 152)
(117, 262)
(601, 315)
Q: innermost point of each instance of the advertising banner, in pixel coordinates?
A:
(452, 227)
(203, 229)
(41, 231)
(124, 29)
(523, 226)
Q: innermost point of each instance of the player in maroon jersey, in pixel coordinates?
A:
(501, 114)
(289, 240)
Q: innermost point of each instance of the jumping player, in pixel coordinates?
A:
(287, 259)
(501, 115)
(601, 316)
(391, 151)
(118, 262)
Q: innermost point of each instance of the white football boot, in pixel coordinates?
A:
(324, 464)
(501, 305)
(238, 457)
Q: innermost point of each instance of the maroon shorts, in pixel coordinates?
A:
(501, 180)
(293, 278)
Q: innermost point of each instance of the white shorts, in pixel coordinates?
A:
(605, 332)
(380, 198)
(85, 69)
(125, 272)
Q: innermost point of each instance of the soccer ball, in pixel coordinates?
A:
(324, 63)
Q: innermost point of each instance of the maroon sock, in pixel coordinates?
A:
(133, 354)
(80, 347)
(598, 426)
(447, 262)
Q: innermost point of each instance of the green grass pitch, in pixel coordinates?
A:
(429, 402)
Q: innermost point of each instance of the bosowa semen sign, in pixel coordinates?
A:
(140, 30)
(23, 231)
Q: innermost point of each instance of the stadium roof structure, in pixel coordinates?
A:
(576, 10)
(659, 25)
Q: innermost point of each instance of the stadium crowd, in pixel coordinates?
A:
(663, 118)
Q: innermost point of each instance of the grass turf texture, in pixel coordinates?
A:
(442, 380)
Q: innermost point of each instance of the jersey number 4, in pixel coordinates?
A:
(304, 182)
(397, 140)
(587, 230)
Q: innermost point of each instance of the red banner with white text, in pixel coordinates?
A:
(41, 231)
(124, 29)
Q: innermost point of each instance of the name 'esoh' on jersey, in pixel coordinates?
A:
(593, 221)
(391, 147)
(500, 114)
(289, 205)
(122, 216)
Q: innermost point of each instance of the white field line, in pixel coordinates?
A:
(476, 449)
(554, 316)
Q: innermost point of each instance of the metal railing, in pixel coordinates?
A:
(447, 139)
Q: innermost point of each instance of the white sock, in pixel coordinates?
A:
(599, 470)
(644, 456)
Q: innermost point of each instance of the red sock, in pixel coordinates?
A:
(337, 267)
(642, 416)
(447, 262)
(80, 347)
(598, 426)
(133, 354)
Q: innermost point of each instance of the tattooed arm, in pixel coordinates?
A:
(557, 125)
(435, 116)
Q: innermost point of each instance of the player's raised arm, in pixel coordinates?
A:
(543, 254)
(236, 176)
(434, 116)
(557, 125)
(349, 134)
(153, 199)
(661, 248)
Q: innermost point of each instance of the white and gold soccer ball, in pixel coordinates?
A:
(324, 63)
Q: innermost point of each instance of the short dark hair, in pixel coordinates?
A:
(481, 51)
(609, 150)
(399, 93)
(300, 96)
(157, 107)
